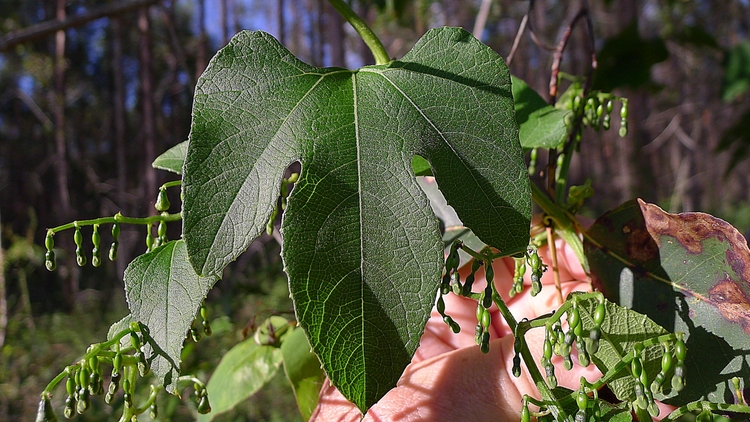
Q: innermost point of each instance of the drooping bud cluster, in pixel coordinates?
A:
(452, 262)
(85, 378)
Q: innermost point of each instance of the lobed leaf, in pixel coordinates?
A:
(688, 272)
(163, 293)
(361, 246)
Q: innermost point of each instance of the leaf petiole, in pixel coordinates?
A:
(364, 31)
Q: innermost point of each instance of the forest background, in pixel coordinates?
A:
(92, 91)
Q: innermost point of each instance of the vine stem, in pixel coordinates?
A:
(557, 411)
(364, 31)
(117, 218)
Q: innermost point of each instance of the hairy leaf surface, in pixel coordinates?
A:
(361, 246)
(163, 293)
(688, 272)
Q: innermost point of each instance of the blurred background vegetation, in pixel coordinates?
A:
(92, 91)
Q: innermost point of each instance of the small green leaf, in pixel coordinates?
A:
(172, 159)
(119, 326)
(303, 370)
(626, 59)
(420, 166)
(243, 370)
(736, 72)
(540, 124)
(164, 292)
(688, 272)
(361, 246)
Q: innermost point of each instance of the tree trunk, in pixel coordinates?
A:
(58, 105)
(147, 103)
(200, 60)
(336, 36)
(224, 21)
(280, 21)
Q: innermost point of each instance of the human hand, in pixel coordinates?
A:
(450, 379)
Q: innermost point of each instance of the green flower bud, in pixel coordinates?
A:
(113, 251)
(517, 365)
(95, 237)
(84, 401)
(80, 256)
(162, 201)
(582, 399)
(549, 369)
(636, 368)
(547, 349)
(567, 362)
(203, 405)
(49, 241)
(623, 128)
(487, 298)
(525, 414)
(149, 238)
(45, 413)
(77, 237)
(680, 350)
(70, 408)
(70, 386)
(599, 314)
(49, 260)
(486, 319)
(489, 273)
(485, 346)
(162, 229)
(574, 318)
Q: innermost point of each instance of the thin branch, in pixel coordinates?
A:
(481, 20)
(553, 258)
(532, 33)
(44, 29)
(517, 40)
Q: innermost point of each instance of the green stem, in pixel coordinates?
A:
(701, 405)
(173, 183)
(565, 226)
(117, 218)
(557, 411)
(364, 31)
(642, 415)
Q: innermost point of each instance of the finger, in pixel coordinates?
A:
(464, 384)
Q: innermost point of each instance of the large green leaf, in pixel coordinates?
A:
(361, 246)
(540, 124)
(303, 370)
(163, 293)
(688, 272)
(242, 371)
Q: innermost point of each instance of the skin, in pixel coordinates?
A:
(450, 379)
